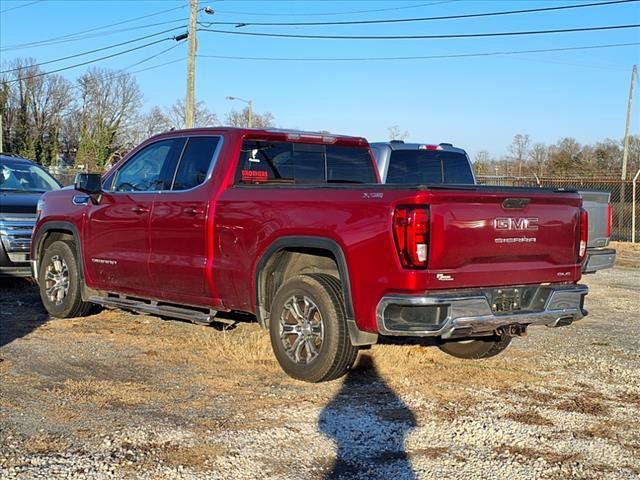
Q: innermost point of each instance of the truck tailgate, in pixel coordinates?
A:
(484, 238)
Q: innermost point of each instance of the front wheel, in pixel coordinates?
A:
(477, 348)
(60, 282)
(308, 329)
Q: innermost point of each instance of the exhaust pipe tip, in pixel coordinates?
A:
(563, 322)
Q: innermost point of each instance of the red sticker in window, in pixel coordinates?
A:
(254, 176)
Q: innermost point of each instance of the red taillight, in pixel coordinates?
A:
(411, 232)
(610, 220)
(583, 228)
(429, 147)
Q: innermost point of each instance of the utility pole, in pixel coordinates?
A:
(1, 144)
(189, 107)
(625, 152)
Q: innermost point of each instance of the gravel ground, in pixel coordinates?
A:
(118, 395)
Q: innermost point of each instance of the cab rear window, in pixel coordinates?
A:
(300, 163)
(428, 166)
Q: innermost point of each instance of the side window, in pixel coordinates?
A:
(291, 162)
(146, 171)
(349, 165)
(195, 162)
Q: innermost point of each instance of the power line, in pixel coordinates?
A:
(424, 19)
(318, 14)
(42, 42)
(425, 57)
(94, 35)
(420, 37)
(90, 61)
(156, 55)
(68, 57)
(20, 6)
(121, 72)
(158, 65)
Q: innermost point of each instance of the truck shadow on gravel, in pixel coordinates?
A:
(21, 311)
(369, 424)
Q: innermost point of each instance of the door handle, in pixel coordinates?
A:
(139, 209)
(193, 211)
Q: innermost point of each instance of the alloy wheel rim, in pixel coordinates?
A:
(301, 329)
(56, 280)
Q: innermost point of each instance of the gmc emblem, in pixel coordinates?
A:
(510, 223)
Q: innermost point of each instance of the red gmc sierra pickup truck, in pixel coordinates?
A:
(295, 228)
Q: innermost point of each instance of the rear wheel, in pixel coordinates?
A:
(60, 283)
(477, 348)
(308, 329)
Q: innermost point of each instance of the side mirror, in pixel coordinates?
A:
(90, 183)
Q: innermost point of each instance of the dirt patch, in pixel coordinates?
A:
(529, 418)
(627, 254)
(524, 453)
(583, 404)
(46, 443)
(104, 392)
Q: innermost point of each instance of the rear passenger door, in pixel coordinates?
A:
(178, 228)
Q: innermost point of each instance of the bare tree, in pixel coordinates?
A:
(566, 156)
(538, 156)
(241, 119)
(50, 99)
(109, 104)
(151, 123)
(203, 117)
(518, 150)
(482, 163)
(32, 105)
(395, 133)
(17, 87)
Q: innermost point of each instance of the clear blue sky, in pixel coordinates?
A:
(478, 103)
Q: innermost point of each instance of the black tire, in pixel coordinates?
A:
(67, 304)
(335, 355)
(477, 348)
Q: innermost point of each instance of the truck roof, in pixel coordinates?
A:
(291, 135)
(400, 145)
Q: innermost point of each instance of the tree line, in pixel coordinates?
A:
(89, 122)
(567, 157)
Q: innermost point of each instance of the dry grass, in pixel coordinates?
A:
(533, 454)
(628, 254)
(46, 443)
(429, 452)
(61, 414)
(428, 367)
(583, 404)
(105, 392)
(5, 365)
(630, 398)
(529, 418)
(537, 396)
(195, 457)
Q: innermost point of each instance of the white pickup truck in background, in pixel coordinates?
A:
(416, 163)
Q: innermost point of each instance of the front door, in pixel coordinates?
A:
(178, 228)
(117, 229)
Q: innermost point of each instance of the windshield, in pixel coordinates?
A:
(429, 166)
(25, 177)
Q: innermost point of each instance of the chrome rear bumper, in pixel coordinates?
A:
(599, 259)
(464, 313)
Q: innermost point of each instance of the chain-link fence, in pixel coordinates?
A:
(622, 196)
